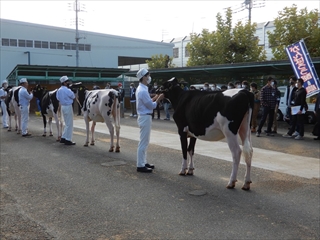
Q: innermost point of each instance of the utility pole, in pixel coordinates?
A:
(77, 9)
(249, 4)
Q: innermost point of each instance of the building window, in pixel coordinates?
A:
(87, 47)
(37, 44)
(29, 43)
(81, 47)
(59, 45)
(22, 43)
(53, 45)
(13, 42)
(5, 42)
(67, 46)
(175, 52)
(186, 53)
(44, 44)
(73, 46)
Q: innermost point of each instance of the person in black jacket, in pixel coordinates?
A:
(299, 105)
(291, 89)
(317, 112)
(133, 100)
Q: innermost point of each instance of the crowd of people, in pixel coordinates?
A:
(145, 101)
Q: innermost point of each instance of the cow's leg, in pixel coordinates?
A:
(245, 136)
(191, 146)
(16, 122)
(86, 120)
(50, 126)
(111, 131)
(236, 154)
(58, 126)
(184, 142)
(93, 126)
(44, 120)
(9, 115)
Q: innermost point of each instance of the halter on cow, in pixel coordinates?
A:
(49, 108)
(212, 116)
(99, 106)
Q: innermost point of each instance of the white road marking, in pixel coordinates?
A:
(271, 160)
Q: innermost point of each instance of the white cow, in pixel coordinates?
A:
(100, 106)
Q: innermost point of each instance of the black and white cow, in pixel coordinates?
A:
(12, 102)
(212, 116)
(49, 108)
(100, 106)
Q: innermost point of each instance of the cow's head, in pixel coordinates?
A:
(38, 91)
(168, 86)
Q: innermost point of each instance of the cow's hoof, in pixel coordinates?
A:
(51, 134)
(44, 135)
(231, 185)
(117, 149)
(86, 144)
(9, 130)
(190, 171)
(246, 186)
(92, 143)
(111, 150)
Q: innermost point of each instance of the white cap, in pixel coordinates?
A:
(141, 73)
(63, 79)
(23, 80)
(4, 81)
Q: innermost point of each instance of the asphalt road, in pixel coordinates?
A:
(53, 191)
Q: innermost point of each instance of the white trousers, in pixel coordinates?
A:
(144, 123)
(4, 114)
(67, 112)
(24, 119)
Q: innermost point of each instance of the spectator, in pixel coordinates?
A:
(206, 87)
(317, 112)
(298, 108)
(166, 104)
(245, 85)
(24, 101)
(291, 89)
(215, 88)
(278, 95)
(256, 107)
(3, 106)
(108, 86)
(230, 85)
(152, 95)
(121, 97)
(133, 100)
(223, 88)
(268, 100)
(238, 84)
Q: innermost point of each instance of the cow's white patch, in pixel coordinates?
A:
(231, 92)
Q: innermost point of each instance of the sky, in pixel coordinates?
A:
(150, 20)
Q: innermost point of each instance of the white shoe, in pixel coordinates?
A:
(298, 137)
(286, 136)
(131, 115)
(257, 134)
(135, 115)
(295, 134)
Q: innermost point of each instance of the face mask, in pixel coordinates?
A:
(155, 86)
(229, 87)
(239, 86)
(205, 88)
(5, 86)
(272, 84)
(131, 87)
(296, 85)
(213, 88)
(149, 80)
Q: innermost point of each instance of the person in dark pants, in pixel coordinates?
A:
(268, 100)
(298, 116)
(152, 93)
(291, 89)
(317, 112)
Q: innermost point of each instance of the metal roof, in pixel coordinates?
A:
(45, 72)
(235, 71)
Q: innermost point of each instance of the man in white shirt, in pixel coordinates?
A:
(145, 106)
(65, 96)
(24, 102)
(3, 95)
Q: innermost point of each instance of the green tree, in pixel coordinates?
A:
(291, 26)
(226, 44)
(160, 61)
